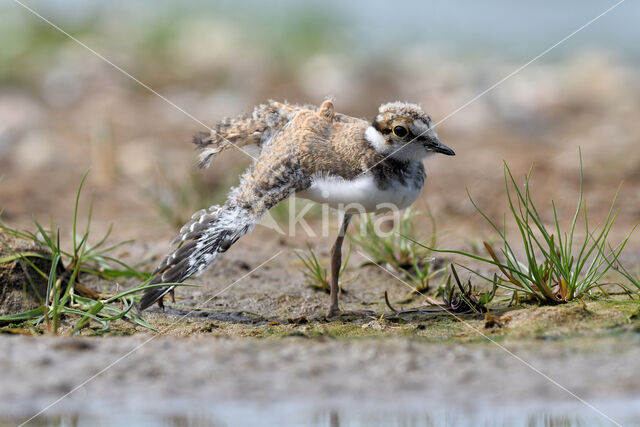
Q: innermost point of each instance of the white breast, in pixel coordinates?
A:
(360, 194)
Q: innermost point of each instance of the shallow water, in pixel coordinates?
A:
(201, 381)
(266, 417)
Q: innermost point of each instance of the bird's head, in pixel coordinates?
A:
(404, 132)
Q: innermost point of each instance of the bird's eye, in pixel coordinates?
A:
(400, 131)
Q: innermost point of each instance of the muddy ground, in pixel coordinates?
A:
(251, 343)
(263, 352)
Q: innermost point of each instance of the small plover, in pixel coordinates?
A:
(312, 152)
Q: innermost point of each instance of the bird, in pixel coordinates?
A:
(353, 164)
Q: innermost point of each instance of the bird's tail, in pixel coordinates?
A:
(200, 241)
(244, 130)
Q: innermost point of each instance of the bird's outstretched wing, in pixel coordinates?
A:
(247, 129)
(272, 178)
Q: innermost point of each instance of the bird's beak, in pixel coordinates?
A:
(434, 144)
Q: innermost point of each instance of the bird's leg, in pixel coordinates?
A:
(172, 293)
(336, 261)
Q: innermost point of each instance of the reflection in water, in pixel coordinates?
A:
(333, 418)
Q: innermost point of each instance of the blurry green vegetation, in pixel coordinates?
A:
(28, 44)
(309, 33)
(149, 35)
(405, 256)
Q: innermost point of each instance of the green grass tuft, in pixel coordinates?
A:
(65, 296)
(556, 268)
(405, 256)
(315, 274)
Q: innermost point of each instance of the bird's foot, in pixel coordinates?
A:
(172, 294)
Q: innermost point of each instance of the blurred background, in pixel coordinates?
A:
(64, 110)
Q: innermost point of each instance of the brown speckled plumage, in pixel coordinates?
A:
(297, 144)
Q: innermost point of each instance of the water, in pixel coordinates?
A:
(266, 417)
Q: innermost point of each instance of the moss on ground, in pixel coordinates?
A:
(594, 318)
(586, 318)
